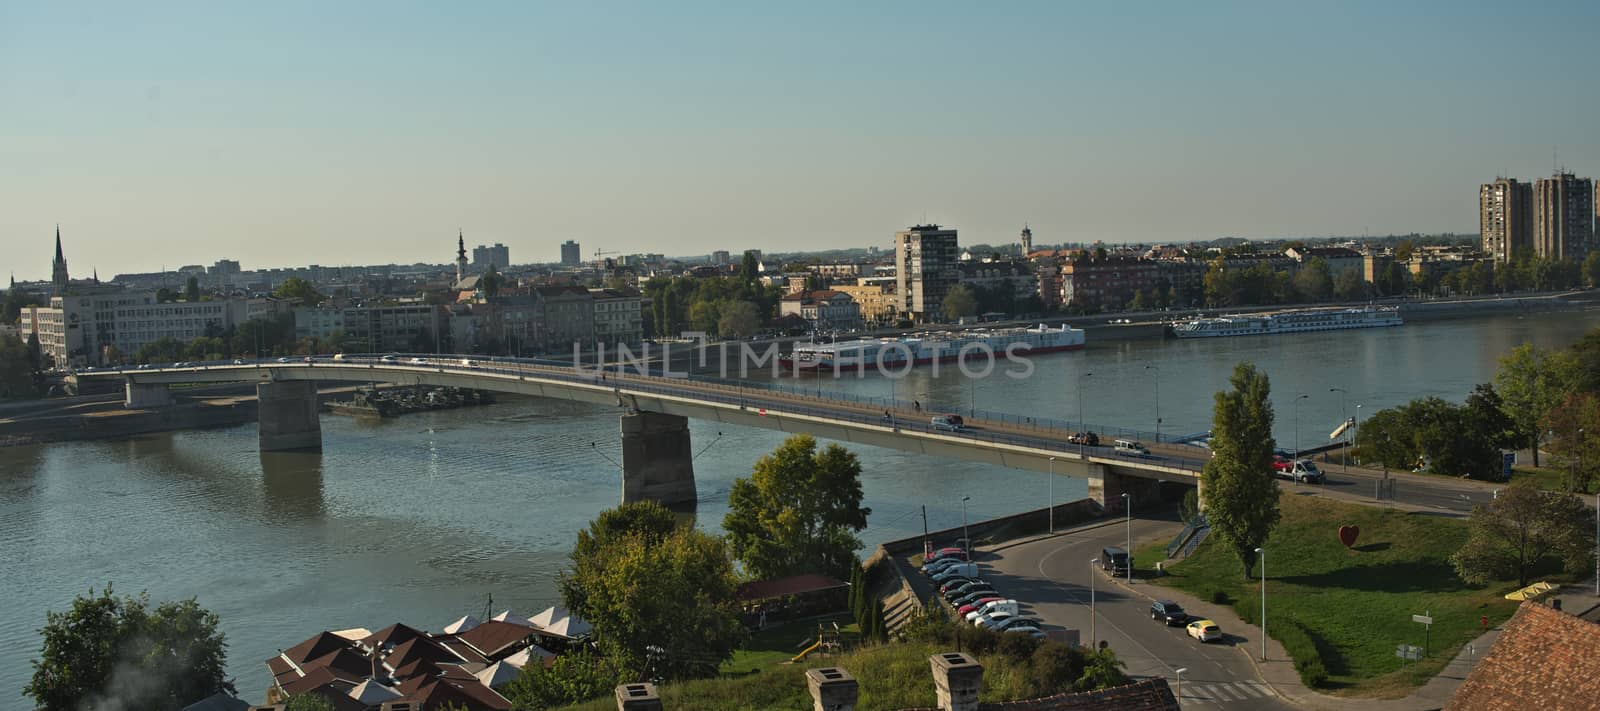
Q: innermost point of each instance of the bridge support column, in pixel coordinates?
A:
(288, 416)
(140, 395)
(657, 463)
(1108, 487)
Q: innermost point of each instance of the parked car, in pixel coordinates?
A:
(1168, 612)
(950, 552)
(967, 588)
(990, 608)
(964, 570)
(989, 621)
(939, 564)
(975, 602)
(1029, 630)
(1014, 622)
(1204, 630)
(949, 585)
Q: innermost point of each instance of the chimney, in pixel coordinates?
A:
(832, 689)
(956, 679)
(638, 697)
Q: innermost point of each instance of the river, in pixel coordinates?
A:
(420, 519)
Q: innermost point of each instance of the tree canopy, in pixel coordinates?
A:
(16, 370)
(661, 598)
(1576, 426)
(1463, 440)
(1531, 382)
(110, 650)
(1241, 498)
(1521, 529)
(739, 319)
(798, 512)
(297, 288)
(960, 303)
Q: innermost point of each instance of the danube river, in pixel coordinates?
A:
(422, 518)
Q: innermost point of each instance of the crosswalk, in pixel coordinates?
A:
(1200, 694)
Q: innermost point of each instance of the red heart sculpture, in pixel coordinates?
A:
(1348, 534)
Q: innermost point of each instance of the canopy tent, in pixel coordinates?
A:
(372, 693)
(549, 616)
(462, 625)
(498, 674)
(521, 659)
(569, 627)
(507, 616)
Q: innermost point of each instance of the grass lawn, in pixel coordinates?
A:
(1350, 608)
(1549, 478)
(779, 643)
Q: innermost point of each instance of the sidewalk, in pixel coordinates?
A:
(1279, 672)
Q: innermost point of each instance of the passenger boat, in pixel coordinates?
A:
(1295, 321)
(932, 346)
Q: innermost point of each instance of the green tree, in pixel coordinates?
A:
(1241, 498)
(1576, 427)
(110, 651)
(191, 289)
(571, 678)
(16, 370)
(1314, 281)
(310, 701)
(1591, 268)
(1103, 670)
(491, 282)
(16, 301)
(739, 319)
(662, 604)
(1523, 528)
(297, 288)
(750, 268)
(960, 303)
(798, 512)
(1349, 285)
(1531, 381)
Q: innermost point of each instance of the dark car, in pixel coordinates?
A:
(949, 585)
(1085, 438)
(1168, 612)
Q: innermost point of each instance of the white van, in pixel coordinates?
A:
(1130, 448)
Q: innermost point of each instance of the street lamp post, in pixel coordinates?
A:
(1157, 381)
(966, 538)
(1092, 641)
(1356, 431)
(1301, 396)
(1082, 431)
(1053, 495)
(1127, 508)
(1263, 556)
(1179, 671)
(1344, 415)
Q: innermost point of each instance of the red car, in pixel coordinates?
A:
(980, 602)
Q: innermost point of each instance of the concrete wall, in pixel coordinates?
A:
(288, 415)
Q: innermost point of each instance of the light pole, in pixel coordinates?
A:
(1053, 498)
(972, 396)
(1127, 507)
(1343, 416)
(966, 538)
(1092, 563)
(1157, 381)
(1179, 671)
(1357, 430)
(1082, 433)
(1298, 398)
(1263, 563)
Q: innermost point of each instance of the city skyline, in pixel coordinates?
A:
(306, 134)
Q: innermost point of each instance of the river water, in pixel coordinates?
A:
(420, 519)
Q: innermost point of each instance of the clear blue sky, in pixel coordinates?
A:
(290, 133)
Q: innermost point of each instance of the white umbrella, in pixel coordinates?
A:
(549, 616)
(372, 693)
(506, 616)
(521, 659)
(497, 675)
(569, 627)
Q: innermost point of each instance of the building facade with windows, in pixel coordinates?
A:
(618, 317)
(1563, 216)
(927, 267)
(1505, 218)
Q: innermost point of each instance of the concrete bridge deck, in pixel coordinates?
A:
(1014, 441)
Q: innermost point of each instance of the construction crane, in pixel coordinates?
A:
(601, 253)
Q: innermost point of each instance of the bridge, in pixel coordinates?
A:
(656, 454)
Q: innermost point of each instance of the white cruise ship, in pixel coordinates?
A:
(1289, 322)
(928, 347)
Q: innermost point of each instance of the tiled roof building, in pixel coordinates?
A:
(1544, 659)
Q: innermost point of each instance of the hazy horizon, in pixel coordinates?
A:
(299, 133)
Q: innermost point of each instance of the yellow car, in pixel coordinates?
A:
(1204, 630)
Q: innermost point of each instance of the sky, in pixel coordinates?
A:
(289, 133)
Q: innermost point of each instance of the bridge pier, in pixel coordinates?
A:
(1108, 487)
(657, 463)
(288, 416)
(141, 395)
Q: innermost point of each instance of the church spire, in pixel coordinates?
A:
(58, 268)
(461, 256)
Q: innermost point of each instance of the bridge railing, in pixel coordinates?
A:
(1041, 433)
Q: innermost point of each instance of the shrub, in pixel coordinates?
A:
(1053, 668)
(1219, 597)
(1018, 647)
(1302, 648)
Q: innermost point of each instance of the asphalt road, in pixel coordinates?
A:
(1052, 577)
